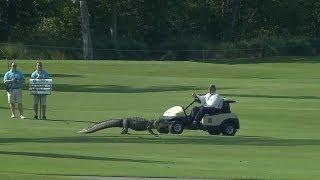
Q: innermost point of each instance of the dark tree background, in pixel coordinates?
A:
(165, 24)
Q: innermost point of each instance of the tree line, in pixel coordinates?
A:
(162, 24)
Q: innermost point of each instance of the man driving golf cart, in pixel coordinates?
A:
(214, 116)
(211, 103)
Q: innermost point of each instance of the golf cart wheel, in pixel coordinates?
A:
(229, 129)
(163, 130)
(176, 128)
(214, 131)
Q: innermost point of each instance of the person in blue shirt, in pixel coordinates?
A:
(13, 80)
(39, 73)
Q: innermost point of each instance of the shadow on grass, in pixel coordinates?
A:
(1, 107)
(120, 89)
(8, 108)
(82, 157)
(180, 139)
(272, 96)
(265, 60)
(129, 89)
(68, 121)
(117, 88)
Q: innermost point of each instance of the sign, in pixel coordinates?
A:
(40, 86)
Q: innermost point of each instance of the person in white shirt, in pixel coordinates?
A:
(211, 103)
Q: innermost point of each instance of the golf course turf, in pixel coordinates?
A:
(277, 104)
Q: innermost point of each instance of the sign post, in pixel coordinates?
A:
(40, 87)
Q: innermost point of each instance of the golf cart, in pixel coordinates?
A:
(175, 120)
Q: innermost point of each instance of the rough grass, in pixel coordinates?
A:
(278, 106)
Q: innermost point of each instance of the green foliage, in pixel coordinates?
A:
(174, 49)
(168, 26)
(14, 51)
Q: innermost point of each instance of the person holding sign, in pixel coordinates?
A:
(39, 73)
(13, 81)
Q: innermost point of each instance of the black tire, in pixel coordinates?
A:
(214, 131)
(229, 129)
(176, 128)
(163, 130)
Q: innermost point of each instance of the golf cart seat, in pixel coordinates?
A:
(226, 106)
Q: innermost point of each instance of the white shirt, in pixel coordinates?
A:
(211, 100)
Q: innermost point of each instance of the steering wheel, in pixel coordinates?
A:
(196, 99)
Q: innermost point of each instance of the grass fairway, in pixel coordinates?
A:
(278, 110)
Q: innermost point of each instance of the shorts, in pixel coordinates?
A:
(15, 96)
(37, 98)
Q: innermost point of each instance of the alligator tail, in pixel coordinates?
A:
(102, 125)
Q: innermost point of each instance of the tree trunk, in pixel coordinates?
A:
(86, 33)
(235, 10)
(222, 8)
(11, 18)
(113, 29)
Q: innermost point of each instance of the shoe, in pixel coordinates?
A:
(44, 117)
(35, 117)
(22, 117)
(13, 116)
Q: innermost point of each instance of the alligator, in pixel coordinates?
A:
(134, 123)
